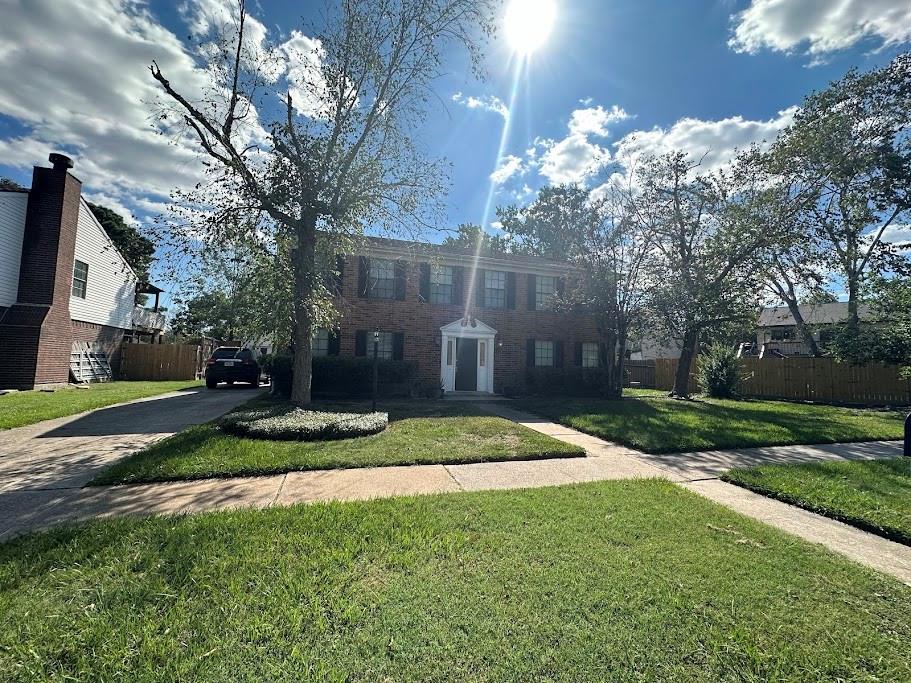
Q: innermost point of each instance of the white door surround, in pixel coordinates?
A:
(467, 328)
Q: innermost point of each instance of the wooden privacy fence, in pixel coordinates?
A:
(801, 379)
(160, 361)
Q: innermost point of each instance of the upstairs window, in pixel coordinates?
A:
(441, 278)
(382, 278)
(545, 288)
(494, 289)
(384, 350)
(80, 278)
(544, 354)
(590, 355)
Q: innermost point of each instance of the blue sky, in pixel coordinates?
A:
(615, 76)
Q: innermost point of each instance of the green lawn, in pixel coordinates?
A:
(634, 580)
(651, 422)
(872, 494)
(420, 432)
(28, 407)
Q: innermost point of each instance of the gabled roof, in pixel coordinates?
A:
(812, 314)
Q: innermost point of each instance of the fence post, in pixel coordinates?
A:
(908, 436)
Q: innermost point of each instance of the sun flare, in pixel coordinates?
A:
(528, 24)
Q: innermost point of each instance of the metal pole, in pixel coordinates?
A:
(376, 346)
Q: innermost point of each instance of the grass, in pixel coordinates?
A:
(651, 422)
(426, 432)
(635, 580)
(28, 407)
(874, 495)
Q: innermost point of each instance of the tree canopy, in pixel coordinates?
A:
(138, 250)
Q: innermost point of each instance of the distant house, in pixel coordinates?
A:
(777, 330)
(64, 287)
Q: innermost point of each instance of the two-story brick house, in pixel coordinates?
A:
(470, 324)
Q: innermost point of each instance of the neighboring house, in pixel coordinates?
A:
(62, 283)
(469, 324)
(776, 329)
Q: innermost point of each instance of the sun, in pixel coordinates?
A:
(529, 23)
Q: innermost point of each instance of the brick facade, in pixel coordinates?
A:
(420, 321)
(35, 332)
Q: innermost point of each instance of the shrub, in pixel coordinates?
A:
(719, 371)
(288, 423)
(344, 377)
(571, 381)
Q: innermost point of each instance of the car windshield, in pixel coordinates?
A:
(225, 352)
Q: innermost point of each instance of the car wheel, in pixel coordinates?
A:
(211, 384)
(230, 382)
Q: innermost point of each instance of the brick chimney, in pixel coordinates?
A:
(36, 333)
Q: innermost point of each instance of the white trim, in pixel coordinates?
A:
(462, 329)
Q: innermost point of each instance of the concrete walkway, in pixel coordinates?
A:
(32, 504)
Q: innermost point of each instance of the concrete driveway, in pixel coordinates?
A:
(68, 452)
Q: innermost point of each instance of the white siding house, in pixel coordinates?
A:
(12, 227)
(110, 284)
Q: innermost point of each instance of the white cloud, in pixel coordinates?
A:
(509, 166)
(715, 142)
(490, 103)
(595, 120)
(898, 234)
(309, 94)
(825, 26)
(572, 160)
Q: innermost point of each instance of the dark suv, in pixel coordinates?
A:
(231, 364)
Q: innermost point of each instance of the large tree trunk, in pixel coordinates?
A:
(303, 261)
(620, 363)
(687, 353)
(853, 318)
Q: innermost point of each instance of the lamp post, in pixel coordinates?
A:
(908, 436)
(376, 349)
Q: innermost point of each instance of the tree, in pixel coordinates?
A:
(596, 235)
(136, 249)
(850, 146)
(708, 245)
(9, 184)
(338, 152)
(471, 238)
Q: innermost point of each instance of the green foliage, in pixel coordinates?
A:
(555, 225)
(719, 371)
(285, 422)
(472, 239)
(138, 250)
(571, 381)
(9, 184)
(346, 377)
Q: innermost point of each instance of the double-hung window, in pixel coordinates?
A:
(382, 278)
(80, 278)
(544, 353)
(590, 355)
(494, 289)
(441, 284)
(320, 346)
(384, 348)
(545, 288)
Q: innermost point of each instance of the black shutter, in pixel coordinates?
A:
(398, 346)
(532, 288)
(578, 354)
(338, 278)
(530, 353)
(510, 290)
(363, 273)
(479, 288)
(602, 355)
(360, 343)
(458, 285)
(400, 275)
(558, 354)
(561, 286)
(425, 281)
(334, 343)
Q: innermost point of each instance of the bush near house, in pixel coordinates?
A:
(345, 377)
(572, 381)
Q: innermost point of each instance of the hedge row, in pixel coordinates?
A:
(344, 376)
(571, 381)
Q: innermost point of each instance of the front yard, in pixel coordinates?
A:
(28, 407)
(872, 494)
(651, 422)
(633, 580)
(419, 432)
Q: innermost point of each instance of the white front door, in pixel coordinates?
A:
(466, 354)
